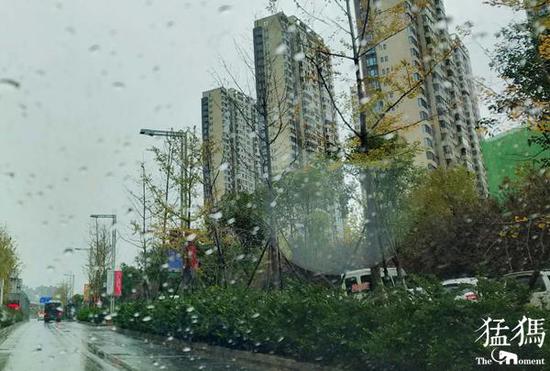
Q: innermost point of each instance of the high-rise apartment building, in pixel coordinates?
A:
(291, 89)
(445, 104)
(229, 131)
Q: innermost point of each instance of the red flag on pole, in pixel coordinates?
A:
(118, 284)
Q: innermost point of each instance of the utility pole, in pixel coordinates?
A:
(183, 177)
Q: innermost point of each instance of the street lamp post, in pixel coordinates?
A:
(113, 248)
(185, 198)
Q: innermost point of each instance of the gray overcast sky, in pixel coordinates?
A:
(92, 74)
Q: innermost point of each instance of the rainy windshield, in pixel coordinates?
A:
(274, 184)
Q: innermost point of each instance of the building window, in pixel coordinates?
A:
(427, 129)
(423, 116)
(430, 156)
(371, 60)
(428, 142)
(373, 72)
(422, 103)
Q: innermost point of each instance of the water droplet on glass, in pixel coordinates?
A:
(224, 8)
(68, 251)
(281, 49)
(216, 216)
(10, 83)
(299, 56)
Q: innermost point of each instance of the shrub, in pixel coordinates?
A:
(387, 330)
(8, 317)
(90, 314)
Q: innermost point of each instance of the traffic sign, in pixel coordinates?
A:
(45, 299)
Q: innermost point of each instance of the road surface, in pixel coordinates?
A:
(34, 345)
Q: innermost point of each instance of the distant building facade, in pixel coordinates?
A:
(445, 107)
(293, 87)
(229, 132)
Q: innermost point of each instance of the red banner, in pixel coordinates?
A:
(118, 284)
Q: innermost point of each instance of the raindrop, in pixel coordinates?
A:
(441, 25)
(224, 8)
(68, 251)
(93, 48)
(119, 84)
(231, 221)
(255, 315)
(224, 166)
(190, 309)
(299, 56)
(281, 49)
(216, 216)
(209, 252)
(191, 237)
(364, 100)
(10, 82)
(186, 349)
(146, 319)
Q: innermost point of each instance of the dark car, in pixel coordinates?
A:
(53, 311)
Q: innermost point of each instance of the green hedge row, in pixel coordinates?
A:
(388, 330)
(8, 317)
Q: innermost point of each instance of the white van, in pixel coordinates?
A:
(359, 282)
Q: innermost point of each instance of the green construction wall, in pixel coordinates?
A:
(503, 153)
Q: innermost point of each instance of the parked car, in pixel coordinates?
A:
(359, 282)
(464, 288)
(53, 311)
(541, 286)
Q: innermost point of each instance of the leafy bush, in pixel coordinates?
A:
(89, 314)
(388, 330)
(8, 317)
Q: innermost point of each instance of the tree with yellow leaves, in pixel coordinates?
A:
(9, 262)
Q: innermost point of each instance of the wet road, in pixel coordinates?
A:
(34, 345)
